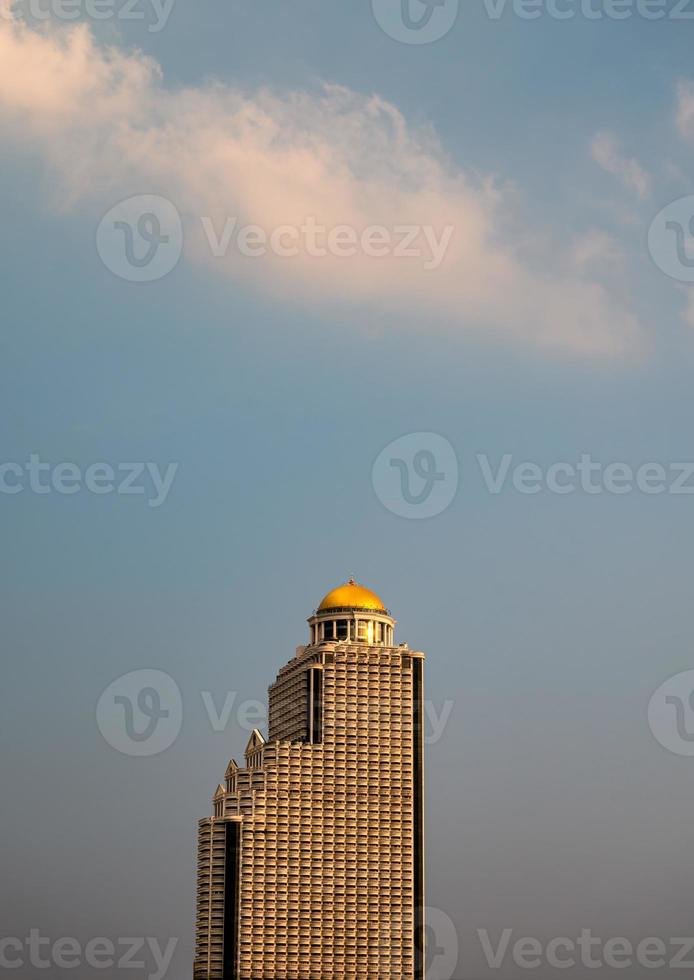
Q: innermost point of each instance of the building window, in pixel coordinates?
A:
(342, 629)
(314, 705)
(232, 868)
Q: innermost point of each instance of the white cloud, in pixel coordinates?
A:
(606, 153)
(108, 127)
(599, 251)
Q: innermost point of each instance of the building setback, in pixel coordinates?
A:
(312, 866)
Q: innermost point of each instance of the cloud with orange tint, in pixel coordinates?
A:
(108, 127)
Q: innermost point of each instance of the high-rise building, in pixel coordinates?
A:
(312, 866)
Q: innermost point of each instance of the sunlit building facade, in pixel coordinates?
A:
(312, 865)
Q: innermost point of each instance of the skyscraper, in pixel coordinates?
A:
(312, 866)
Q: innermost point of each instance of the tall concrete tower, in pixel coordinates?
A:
(312, 866)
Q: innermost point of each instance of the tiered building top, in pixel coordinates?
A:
(353, 614)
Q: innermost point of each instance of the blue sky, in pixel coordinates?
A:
(548, 332)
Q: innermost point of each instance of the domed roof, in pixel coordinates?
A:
(353, 596)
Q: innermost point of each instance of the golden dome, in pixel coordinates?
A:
(352, 595)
